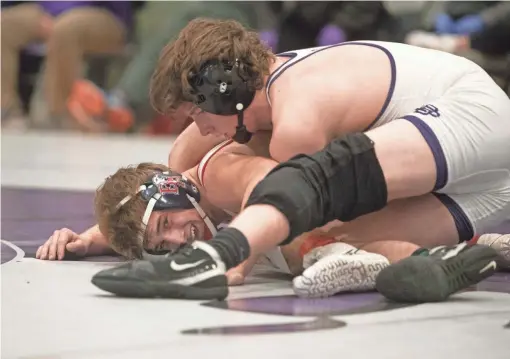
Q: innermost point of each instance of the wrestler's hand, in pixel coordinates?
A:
(62, 240)
(236, 276)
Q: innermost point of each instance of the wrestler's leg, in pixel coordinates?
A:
(404, 228)
(401, 228)
(456, 146)
(395, 232)
(337, 267)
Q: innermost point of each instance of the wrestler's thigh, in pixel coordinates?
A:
(468, 132)
(423, 220)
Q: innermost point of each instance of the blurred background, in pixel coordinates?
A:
(85, 66)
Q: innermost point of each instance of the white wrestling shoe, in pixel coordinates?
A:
(501, 243)
(338, 267)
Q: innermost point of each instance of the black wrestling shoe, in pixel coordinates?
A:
(193, 272)
(435, 277)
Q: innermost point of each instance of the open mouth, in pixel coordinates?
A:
(170, 248)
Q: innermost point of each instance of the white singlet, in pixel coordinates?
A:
(463, 115)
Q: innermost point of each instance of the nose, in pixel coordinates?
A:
(204, 128)
(177, 238)
(181, 239)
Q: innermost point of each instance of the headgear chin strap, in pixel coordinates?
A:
(220, 89)
(168, 190)
(242, 134)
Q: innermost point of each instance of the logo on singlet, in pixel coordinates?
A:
(428, 110)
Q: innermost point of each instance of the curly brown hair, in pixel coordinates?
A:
(123, 228)
(200, 41)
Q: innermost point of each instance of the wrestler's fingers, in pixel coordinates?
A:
(66, 236)
(38, 253)
(52, 248)
(43, 253)
(61, 246)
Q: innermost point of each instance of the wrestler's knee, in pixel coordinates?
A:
(343, 181)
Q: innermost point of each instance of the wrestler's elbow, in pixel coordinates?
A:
(189, 148)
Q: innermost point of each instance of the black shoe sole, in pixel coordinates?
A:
(154, 289)
(427, 279)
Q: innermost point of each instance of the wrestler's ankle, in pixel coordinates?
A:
(232, 247)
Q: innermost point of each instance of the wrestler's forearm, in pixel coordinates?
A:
(98, 242)
(190, 147)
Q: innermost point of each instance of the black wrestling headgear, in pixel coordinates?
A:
(220, 89)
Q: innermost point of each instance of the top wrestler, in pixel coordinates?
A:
(379, 122)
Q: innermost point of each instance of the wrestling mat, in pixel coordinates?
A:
(51, 310)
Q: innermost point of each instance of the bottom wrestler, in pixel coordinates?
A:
(330, 266)
(141, 278)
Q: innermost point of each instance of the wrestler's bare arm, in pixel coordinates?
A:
(89, 243)
(190, 147)
(98, 242)
(299, 127)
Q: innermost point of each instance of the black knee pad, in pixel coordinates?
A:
(343, 181)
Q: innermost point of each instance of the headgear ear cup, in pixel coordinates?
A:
(220, 89)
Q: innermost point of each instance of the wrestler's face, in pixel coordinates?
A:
(168, 230)
(210, 124)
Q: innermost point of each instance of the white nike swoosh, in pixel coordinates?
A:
(455, 251)
(492, 265)
(180, 267)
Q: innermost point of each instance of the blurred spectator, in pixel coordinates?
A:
(310, 23)
(69, 30)
(463, 25)
(127, 106)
